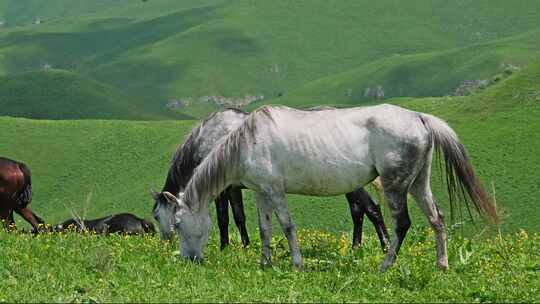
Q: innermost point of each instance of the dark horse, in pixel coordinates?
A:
(125, 223)
(200, 142)
(16, 193)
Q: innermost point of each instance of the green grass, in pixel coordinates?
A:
(55, 94)
(113, 162)
(309, 51)
(74, 268)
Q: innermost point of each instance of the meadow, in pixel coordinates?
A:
(82, 102)
(74, 268)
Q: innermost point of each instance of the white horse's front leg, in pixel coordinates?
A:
(287, 224)
(264, 208)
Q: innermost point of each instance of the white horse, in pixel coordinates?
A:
(279, 150)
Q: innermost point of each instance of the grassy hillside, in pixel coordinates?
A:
(23, 13)
(423, 75)
(316, 50)
(115, 162)
(135, 269)
(55, 94)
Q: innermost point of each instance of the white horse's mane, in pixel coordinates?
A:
(222, 164)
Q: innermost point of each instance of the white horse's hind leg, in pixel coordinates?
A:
(421, 191)
(397, 201)
(264, 208)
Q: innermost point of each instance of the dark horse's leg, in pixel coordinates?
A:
(360, 203)
(357, 214)
(222, 212)
(235, 195)
(30, 217)
(373, 212)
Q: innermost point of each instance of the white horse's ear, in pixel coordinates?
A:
(178, 202)
(171, 198)
(154, 194)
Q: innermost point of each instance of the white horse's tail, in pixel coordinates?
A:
(460, 175)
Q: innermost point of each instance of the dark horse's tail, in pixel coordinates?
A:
(24, 196)
(460, 175)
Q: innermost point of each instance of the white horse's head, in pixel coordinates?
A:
(172, 213)
(163, 211)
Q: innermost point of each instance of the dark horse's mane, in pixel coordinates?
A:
(24, 196)
(185, 159)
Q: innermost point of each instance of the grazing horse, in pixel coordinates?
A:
(204, 138)
(280, 150)
(125, 223)
(16, 193)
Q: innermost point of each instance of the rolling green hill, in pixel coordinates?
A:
(108, 166)
(55, 94)
(306, 51)
(422, 75)
(23, 13)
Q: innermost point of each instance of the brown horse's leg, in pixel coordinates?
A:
(6, 218)
(235, 195)
(30, 217)
(357, 214)
(11, 221)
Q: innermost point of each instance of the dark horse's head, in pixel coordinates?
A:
(68, 224)
(148, 226)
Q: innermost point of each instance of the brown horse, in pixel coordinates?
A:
(16, 193)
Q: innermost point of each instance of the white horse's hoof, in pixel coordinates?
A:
(443, 265)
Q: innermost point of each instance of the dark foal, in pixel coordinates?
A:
(16, 193)
(124, 223)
